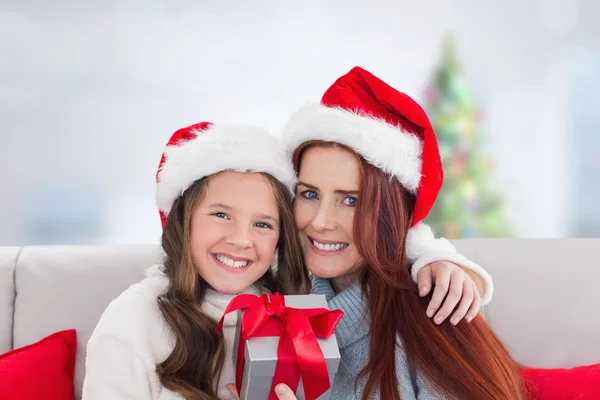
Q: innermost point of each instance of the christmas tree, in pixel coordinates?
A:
(469, 204)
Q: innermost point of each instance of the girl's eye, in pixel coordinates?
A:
(309, 194)
(263, 225)
(350, 201)
(220, 215)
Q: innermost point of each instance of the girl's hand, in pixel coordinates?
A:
(454, 284)
(282, 391)
(233, 391)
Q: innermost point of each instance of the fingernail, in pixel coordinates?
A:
(423, 290)
(280, 390)
(454, 321)
(469, 319)
(430, 312)
(439, 319)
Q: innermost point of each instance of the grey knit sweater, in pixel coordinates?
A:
(353, 338)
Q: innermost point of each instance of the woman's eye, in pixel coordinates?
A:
(263, 225)
(220, 215)
(350, 201)
(309, 194)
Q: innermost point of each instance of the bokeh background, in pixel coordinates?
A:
(90, 91)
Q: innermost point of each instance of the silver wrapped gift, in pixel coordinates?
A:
(260, 355)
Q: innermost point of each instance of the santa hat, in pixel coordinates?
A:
(204, 149)
(386, 127)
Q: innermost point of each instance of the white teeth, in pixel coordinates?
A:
(330, 247)
(229, 262)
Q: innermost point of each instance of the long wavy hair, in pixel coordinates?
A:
(467, 361)
(194, 366)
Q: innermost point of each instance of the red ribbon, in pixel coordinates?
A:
(299, 353)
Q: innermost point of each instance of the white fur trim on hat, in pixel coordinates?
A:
(220, 148)
(387, 147)
(423, 249)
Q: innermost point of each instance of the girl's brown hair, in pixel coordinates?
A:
(466, 361)
(194, 366)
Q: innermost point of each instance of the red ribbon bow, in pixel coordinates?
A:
(299, 353)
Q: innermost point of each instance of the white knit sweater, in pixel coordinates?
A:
(132, 337)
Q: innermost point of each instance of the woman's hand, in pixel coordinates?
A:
(282, 391)
(453, 283)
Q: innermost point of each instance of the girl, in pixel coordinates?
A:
(224, 195)
(369, 171)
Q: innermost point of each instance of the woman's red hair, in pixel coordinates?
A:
(466, 361)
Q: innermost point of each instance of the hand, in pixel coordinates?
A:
(233, 391)
(454, 284)
(282, 391)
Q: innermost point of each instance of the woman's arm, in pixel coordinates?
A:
(423, 248)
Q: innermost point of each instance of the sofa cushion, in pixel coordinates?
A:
(43, 370)
(68, 287)
(581, 383)
(8, 258)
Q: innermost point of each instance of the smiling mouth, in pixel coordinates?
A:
(329, 246)
(230, 262)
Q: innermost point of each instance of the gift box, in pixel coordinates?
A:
(287, 339)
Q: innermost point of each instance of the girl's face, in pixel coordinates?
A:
(234, 230)
(326, 196)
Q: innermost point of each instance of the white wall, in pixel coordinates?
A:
(90, 91)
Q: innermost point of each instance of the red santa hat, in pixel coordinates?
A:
(203, 149)
(385, 126)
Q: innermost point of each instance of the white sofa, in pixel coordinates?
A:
(546, 305)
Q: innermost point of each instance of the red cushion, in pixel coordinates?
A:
(43, 370)
(580, 383)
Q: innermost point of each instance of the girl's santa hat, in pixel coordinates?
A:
(203, 149)
(393, 133)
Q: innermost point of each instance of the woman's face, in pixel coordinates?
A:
(324, 207)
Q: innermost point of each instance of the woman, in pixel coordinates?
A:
(369, 172)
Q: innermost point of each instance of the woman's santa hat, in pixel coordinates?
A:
(203, 149)
(393, 133)
(386, 127)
